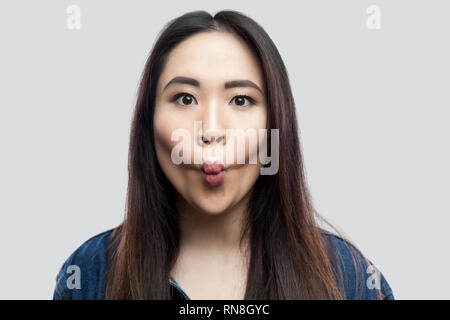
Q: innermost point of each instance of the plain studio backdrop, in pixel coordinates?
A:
(373, 110)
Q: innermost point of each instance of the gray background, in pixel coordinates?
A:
(373, 108)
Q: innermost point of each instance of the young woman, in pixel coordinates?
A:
(216, 229)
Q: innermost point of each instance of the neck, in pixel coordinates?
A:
(212, 231)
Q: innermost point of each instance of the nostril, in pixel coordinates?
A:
(212, 139)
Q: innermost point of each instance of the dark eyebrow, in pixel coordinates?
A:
(242, 83)
(228, 84)
(184, 80)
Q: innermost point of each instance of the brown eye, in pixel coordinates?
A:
(185, 99)
(243, 101)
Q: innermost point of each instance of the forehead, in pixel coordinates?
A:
(213, 58)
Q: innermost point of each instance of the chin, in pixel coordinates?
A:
(212, 207)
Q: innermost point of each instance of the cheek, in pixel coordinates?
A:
(167, 122)
(163, 143)
(250, 124)
(164, 125)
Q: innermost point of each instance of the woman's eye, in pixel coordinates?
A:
(185, 99)
(242, 101)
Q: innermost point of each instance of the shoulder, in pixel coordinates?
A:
(358, 276)
(82, 275)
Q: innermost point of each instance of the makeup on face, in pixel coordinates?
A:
(216, 80)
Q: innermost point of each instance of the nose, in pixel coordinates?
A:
(213, 121)
(212, 138)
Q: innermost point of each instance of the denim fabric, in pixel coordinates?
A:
(90, 257)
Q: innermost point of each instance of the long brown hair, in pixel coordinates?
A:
(288, 258)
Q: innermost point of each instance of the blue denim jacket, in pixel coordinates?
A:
(89, 261)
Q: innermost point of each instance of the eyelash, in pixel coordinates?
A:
(179, 95)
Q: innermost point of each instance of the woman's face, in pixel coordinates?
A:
(208, 64)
